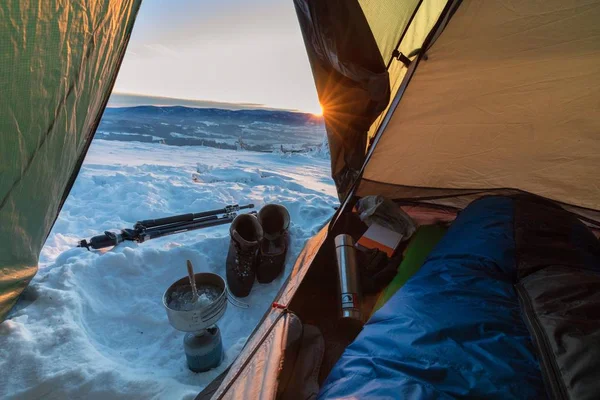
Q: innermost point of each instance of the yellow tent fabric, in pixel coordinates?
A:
(508, 98)
(425, 17)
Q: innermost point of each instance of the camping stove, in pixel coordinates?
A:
(202, 342)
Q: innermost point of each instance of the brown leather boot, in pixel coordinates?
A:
(275, 221)
(246, 235)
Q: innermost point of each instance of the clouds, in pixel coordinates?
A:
(154, 49)
(231, 50)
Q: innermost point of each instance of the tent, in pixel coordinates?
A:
(441, 103)
(59, 61)
(431, 103)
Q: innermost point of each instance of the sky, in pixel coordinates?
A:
(237, 51)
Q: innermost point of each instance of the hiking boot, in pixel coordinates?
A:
(275, 221)
(246, 235)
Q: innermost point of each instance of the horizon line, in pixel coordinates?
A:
(123, 103)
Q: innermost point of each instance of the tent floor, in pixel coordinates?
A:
(316, 301)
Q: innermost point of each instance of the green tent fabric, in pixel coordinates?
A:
(421, 244)
(58, 62)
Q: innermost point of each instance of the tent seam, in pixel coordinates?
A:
(476, 191)
(448, 10)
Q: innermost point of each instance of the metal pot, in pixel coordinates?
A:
(199, 318)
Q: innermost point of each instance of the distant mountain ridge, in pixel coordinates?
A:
(133, 100)
(243, 129)
(242, 114)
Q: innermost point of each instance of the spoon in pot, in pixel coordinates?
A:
(190, 269)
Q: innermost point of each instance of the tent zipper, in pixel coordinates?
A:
(549, 369)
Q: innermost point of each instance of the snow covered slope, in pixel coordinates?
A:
(258, 130)
(92, 325)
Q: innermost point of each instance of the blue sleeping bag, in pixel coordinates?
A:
(455, 329)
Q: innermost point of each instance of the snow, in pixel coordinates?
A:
(182, 298)
(92, 324)
(181, 135)
(208, 123)
(154, 138)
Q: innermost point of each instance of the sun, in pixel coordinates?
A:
(319, 113)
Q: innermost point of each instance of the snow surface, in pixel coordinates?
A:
(181, 135)
(92, 325)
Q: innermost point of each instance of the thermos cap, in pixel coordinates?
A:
(344, 240)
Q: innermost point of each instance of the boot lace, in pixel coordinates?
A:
(244, 259)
